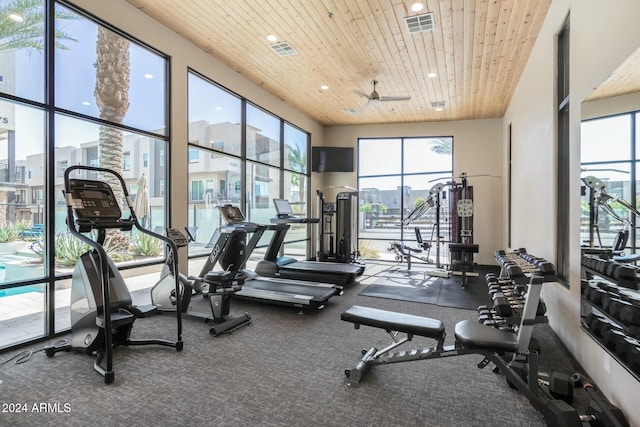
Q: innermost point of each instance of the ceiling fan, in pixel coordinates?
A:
(375, 97)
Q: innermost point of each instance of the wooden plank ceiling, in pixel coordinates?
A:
(623, 81)
(477, 48)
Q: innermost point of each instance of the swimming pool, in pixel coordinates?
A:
(20, 290)
(18, 268)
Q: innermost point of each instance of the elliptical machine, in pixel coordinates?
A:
(216, 286)
(102, 313)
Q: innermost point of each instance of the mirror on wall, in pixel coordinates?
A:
(610, 213)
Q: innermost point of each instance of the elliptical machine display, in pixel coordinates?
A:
(102, 314)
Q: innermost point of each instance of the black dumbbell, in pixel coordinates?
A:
(630, 315)
(615, 306)
(625, 272)
(612, 337)
(559, 385)
(601, 410)
(502, 307)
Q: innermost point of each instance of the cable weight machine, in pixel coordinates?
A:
(337, 236)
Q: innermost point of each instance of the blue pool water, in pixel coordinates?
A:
(20, 290)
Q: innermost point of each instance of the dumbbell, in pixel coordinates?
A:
(596, 294)
(485, 316)
(600, 411)
(630, 315)
(629, 351)
(595, 323)
(611, 267)
(559, 385)
(632, 331)
(615, 307)
(625, 272)
(612, 336)
(502, 306)
(607, 299)
(514, 271)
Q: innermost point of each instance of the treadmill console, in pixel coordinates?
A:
(93, 200)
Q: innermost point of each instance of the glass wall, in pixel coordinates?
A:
(244, 165)
(391, 186)
(107, 109)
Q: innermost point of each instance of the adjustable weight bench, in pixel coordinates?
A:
(471, 337)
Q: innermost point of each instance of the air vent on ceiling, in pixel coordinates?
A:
(350, 111)
(283, 49)
(438, 104)
(419, 23)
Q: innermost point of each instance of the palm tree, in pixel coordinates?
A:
(298, 163)
(112, 98)
(22, 25)
(442, 146)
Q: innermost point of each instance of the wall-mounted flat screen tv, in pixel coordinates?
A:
(332, 159)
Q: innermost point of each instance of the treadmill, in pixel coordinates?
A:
(277, 291)
(289, 268)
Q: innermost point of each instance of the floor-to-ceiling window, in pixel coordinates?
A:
(607, 199)
(73, 91)
(242, 155)
(392, 184)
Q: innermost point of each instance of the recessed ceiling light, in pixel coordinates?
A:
(218, 108)
(417, 6)
(86, 103)
(324, 87)
(431, 75)
(439, 109)
(15, 17)
(272, 38)
(148, 76)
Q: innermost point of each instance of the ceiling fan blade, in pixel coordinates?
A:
(366, 106)
(394, 98)
(357, 92)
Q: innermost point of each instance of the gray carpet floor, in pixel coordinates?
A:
(284, 369)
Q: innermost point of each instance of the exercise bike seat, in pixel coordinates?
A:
(473, 335)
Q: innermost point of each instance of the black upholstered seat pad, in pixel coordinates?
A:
(473, 335)
(393, 321)
(466, 247)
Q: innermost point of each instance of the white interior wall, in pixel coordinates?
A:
(476, 151)
(593, 56)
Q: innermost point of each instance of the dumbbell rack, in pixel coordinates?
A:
(610, 310)
(510, 290)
